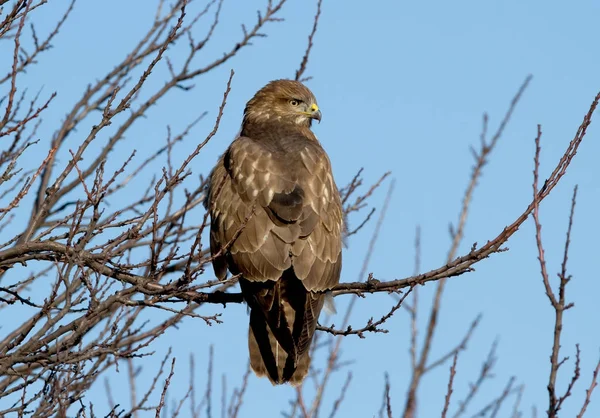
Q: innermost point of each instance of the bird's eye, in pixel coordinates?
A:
(294, 102)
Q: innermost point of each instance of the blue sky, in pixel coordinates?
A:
(402, 87)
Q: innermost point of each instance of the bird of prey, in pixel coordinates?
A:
(276, 220)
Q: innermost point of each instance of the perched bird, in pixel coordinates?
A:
(276, 219)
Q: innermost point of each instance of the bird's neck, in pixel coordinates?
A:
(256, 130)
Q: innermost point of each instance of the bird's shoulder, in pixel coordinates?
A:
(278, 149)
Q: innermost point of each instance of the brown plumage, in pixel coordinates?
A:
(276, 219)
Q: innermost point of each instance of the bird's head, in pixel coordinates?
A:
(283, 101)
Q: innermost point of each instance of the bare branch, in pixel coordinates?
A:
(450, 383)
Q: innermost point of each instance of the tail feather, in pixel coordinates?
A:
(283, 319)
(268, 358)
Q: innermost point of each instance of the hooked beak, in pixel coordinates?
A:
(315, 113)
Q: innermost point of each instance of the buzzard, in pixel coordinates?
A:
(276, 220)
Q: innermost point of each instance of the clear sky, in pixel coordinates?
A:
(402, 87)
